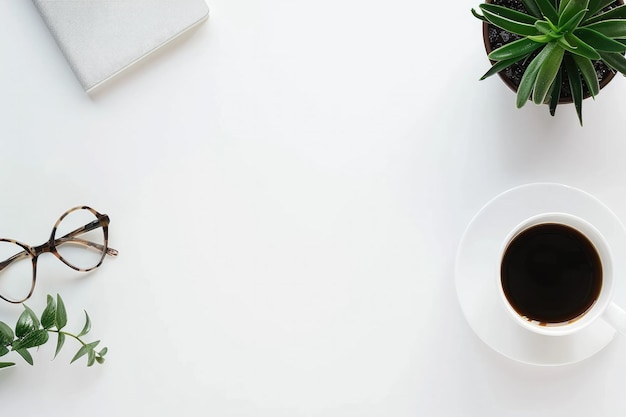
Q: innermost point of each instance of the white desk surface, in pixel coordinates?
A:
(287, 188)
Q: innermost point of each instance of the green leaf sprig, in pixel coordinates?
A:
(32, 331)
(569, 35)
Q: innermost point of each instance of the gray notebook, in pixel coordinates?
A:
(101, 38)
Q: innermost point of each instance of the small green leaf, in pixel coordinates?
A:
(25, 324)
(81, 352)
(33, 316)
(6, 364)
(86, 327)
(32, 339)
(91, 357)
(26, 355)
(4, 350)
(84, 350)
(103, 351)
(100, 359)
(6, 334)
(48, 317)
(60, 341)
(61, 314)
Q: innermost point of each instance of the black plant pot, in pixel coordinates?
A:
(494, 37)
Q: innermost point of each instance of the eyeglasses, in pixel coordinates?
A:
(79, 239)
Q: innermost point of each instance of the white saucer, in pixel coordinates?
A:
(477, 265)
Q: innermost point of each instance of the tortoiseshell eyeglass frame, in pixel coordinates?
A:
(102, 220)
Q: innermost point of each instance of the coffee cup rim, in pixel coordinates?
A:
(601, 246)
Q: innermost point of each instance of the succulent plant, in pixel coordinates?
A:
(557, 39)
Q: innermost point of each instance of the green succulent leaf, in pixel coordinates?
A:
(501, 65)
(548, 10)
(48, 317)
(597, 5)
(588, 72)
(614, 28)
(576, 86)
(576, 46)
(515, 49)
(513, 26)
(616, 13)
(4, 350)
(532, 7)
(545, 28)
(573, 23)
(525, 88)
(6, 364)
(562, 5)
(479, 16)
(615, 61)
(508, 13)
(547, 73)
(61, 314)
(598, 41)
(541, 39)
(572, 10)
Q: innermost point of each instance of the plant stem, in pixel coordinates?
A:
(68, 334)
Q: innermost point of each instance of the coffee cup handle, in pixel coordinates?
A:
(615, 316)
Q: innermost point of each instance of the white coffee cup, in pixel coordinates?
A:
(602, 309)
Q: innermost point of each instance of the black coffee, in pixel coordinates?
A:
(551, 273)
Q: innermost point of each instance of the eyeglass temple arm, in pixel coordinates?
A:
(84, 229)
(61, 240)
